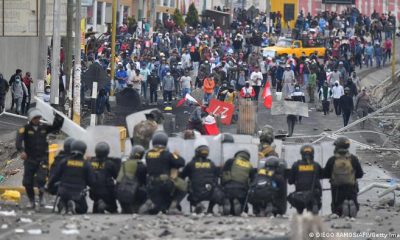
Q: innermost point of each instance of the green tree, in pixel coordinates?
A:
(178, 18)
(192, 17)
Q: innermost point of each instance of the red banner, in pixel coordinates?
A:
(223, 109)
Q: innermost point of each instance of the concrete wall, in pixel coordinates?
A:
(19, 52)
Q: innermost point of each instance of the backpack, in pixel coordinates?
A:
(127, 187)
(343, 171)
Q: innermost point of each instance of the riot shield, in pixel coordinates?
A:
(289, 107)
(69, 127)
(108, 134)
(247, 117)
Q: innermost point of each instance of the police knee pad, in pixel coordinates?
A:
(218, 196)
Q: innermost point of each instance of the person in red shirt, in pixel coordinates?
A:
(247, 91)
(388, 50)
(26, 101)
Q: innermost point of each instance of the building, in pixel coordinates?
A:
(366, 7)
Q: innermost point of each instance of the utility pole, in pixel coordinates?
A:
(152, 14)
(68, 57)
(42, 61)
(113, 35)
(55, 56)
(394, 56)
(76, 117)
(268, 13)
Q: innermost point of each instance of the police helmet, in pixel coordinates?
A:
(137, 152)
(160, 138)
(67, 144)
(227, 138)
(307, 149)
(202, 151)
(102, 150)
(342, 143)
(272, 162)
(34, 113)
(244, 153)
(267, 134)
(78, 147)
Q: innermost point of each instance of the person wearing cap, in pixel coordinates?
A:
(346, 105)
(154, 82)
(362, 105)
(288, 82)
(32, 143)
(247, 92)
(122, 77)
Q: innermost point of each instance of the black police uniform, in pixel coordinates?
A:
(160, 186)
(105, 171)
(33, 140)
(74, 175)
(306, 178)
(344, 192)
(203, 176)
(265, 190)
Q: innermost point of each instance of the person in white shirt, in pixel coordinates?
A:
(288, 82)
(335, 76)
(186, 83)
(131, 73)
(256, 78)
(337, 92)
(186, 59)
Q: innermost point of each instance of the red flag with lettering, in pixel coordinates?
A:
(267, 96)
(223, 109)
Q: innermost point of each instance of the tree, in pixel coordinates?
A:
(178, 18)
(192, 17)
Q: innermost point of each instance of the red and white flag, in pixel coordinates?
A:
(267, 96)
(189, 98)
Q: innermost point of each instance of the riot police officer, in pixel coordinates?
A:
(343, 169)
(266, 188)
(203, 177)
(237, 173)
(62, 155)
(105, 171)
(74, 175)
(305, 174)
(266, 140)
(131, 181)
(266, 150)
(164, 188)
(32, 143)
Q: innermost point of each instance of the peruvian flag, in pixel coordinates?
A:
(189, 98)
(267, 96)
